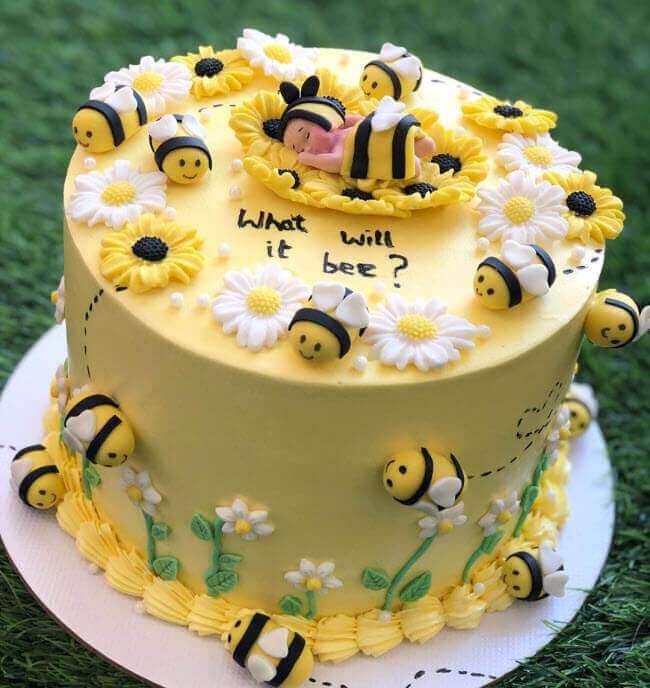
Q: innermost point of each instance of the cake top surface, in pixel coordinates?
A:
(381, 274)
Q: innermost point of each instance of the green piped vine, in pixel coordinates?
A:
(530, 495)
(221, 576)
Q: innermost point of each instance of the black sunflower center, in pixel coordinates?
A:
(294, 174)
(581, 203)
(272, 128)
(508, 111)
(208, 66)
(447, 162)
(422, 188)
(150, 248)
(351, 192)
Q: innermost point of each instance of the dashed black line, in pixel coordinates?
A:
(595, 257)
(93, 302)
(8, 446)
(445, 670)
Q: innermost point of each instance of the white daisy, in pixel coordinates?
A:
(159, 83)
(259, 305)
(248, 524)
(499, 513)
(559, 431)
(314, 578)
(536, 155)
(524, 210)
(442, 522)
(140, 491)
(422, 333)
(58, 299)
(62, 384)
(117, 195)
(276, 57)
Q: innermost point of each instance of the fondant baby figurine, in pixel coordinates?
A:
(387, 144)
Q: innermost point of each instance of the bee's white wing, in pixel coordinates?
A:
(391, 52)
(192, 126)
(517, 255)
(102, 92)
(555, 583)
(260, 668)
(549, 560)
(163, 128)
(408, 67)
(82, 427)
(20, 470)
(327, 295)
(353, 311)
(123, 100)
(534, 279)
(275, 643)
(644, 322)
(387, 114)
(443, 492)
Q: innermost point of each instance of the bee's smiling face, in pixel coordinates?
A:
(491, 289)
(186, 165)
(404, 474)
(46, 491)
(91, 131)
(314, 342)
(579, 418)
(375, 83)
(609, 325)
(517, 577)
(118, 446)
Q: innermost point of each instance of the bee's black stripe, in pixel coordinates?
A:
(286, 665)
(31, 478)
(166, 147)
(111, 116)
(101, 437)
(537, 580)
(418, 83)
(459, 474)
(141, 108)
(399, 145)
(90, 402)
(249, 638)
(392, 75)
(328, 322)
(426, 480)
(509, 277)
(360, 162)
(26, 450)
(547, 261)
(631, 312)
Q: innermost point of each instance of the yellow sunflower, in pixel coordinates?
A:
(216, 73)
(461, 154)
(429, 190)
(593, 211)
(519, 118)
(149, 253)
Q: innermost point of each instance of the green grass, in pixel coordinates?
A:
(587, 60)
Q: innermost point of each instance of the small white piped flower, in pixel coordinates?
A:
(237, 165)
(170, 212)
(559, 431)
(385, 616)
(57, 297)
(250, 525)
(203, 300)
(176, 299)
(62, 388)
(442, 522)
(90, 162)
(360, 363)
(224, 250)
(93, 569)
(314, 578)
(140, 491)
(499, 513)
(536, 155)
(235, 192)
(117, 195)
(139, 607)
(276, 56)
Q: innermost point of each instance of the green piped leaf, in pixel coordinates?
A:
(490, 542)
(227, 562)
(167, 567)
(291, 605)
(160, 531)
(528, 498)
(222, 581)
(375, 579)
(417, 588)
(92, 476)
(201, 527)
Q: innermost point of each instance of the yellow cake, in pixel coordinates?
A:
(284, 382)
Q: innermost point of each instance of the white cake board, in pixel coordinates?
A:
(171, 656)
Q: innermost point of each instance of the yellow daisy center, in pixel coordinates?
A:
(134, 493)
(119, 193)
(243, 527)
(314, 584)
(504, 517)
(416, 327)
(518, 210)
(146, 82)
(263, 301)
(538, 155)
(445, 526)
(279, 52)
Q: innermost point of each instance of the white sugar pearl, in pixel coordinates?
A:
(385, 617)
(176, 299)
(483, 244)
(236, 165)
(235, 192)
(170, 212)
(463, 92)
(344, 59)
(139, 607)
(577, 254)
(90, 162)
(459, 131)
(360, 363)
(484, 331)
(205, 115)
(93, 569)
(478, 588)
(203, 300)
(379, 289)
(224, 250)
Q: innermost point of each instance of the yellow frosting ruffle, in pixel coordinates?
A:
(168, 600)
(559, 472)
(463, 607)
(495, 593)
(552, 501)
(336, 639)
(423, 619)
(97, 542)
(539, 528)
(128, 573)
(530, 121)
(376, 635)
(211, 615)
(74, 511)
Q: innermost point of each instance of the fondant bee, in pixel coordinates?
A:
(395, 73)
(424, 480)
(325, 331)
(614, 319)
(522, 272)
(534, 574)
(180, 151)
(36, 478)
(583, 408)
(111, 116)
(272, 654)
(94, 425)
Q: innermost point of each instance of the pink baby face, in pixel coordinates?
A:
(297, 135)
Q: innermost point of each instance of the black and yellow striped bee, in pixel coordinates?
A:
(583, 408)
(111, 116)
(36, 478)
(272, 653)
(424, 480)
(395, 73)
(614, 319)
(95, 426)
(535, 573)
